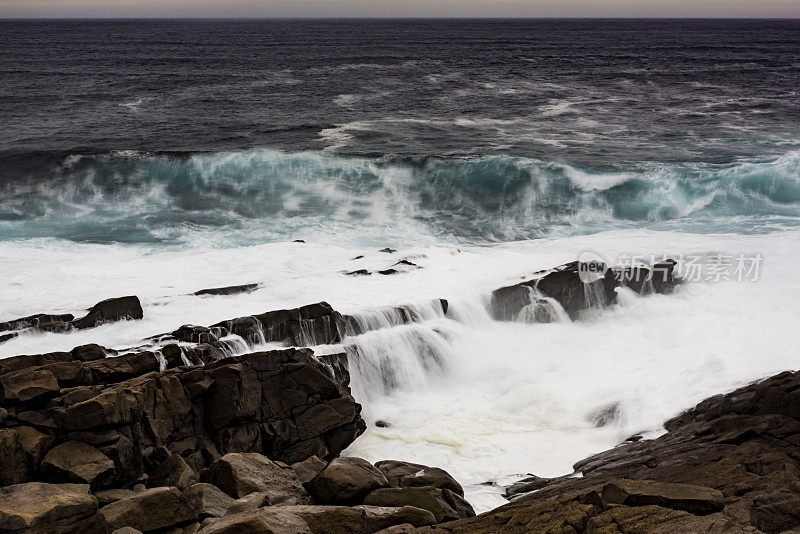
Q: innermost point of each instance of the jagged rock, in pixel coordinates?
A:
(526, 485)
(380, 423)
(174, 471)
(228, 290)
(82, 353)
(108, 496)
(388, 250)
(346, 481)
(380, 517)
(110, 310)
(442, 503)
(284, 404)
(75, 461)
(308, 469)
(151, 510)
(262, 521)
(358, 272)
(33, 321)
(699, 500)
(207, 500)
(36, 507)
(403, 474)
(390, 270)
(239, 474)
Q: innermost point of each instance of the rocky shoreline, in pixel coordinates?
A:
(182, 435)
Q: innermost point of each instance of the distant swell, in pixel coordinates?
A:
(265, 195)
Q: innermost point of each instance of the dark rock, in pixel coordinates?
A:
(388, 271)
(36, 507)
(346, 481)
(110, 310)
(248, 503)
(228, 290)
(442, 503)
(563, 284)
(207, 500)
(151, 510)
(75, 461)
(526, 485)
(380, 423)
(605, 415)
(239, 474)
(408, 263)
(404, 474)
(284, 404)
(357, 258)
(359, 272)
(356, 519)
(388, 250)
(298, 241)
(14, 464)
(82, 353)
(33, 321)
(174, 471)
(7, 337)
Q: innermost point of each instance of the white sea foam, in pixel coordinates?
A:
(482, 399)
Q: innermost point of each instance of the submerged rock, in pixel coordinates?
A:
(227, 290)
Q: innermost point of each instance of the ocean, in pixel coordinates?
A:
(155, 158)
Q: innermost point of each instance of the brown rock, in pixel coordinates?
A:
(35, 507)
(699, 500)
(75, 461)
(14, 468)
(150, 510)
(346, 481)
(442, 503)
(402, 474)
(263, 521)
(207, 500)
(174, 471)
(239, 474)
(308, 469)
(26, 385)
(108, 496)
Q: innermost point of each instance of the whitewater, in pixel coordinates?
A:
(488, 401)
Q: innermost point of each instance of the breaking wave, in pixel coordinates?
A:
(256, 196)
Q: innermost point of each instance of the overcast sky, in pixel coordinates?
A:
(400, 8)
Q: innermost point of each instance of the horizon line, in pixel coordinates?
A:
(410, 18)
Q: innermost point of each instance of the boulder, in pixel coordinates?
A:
(239, 474)
(110, 310)
(36, 507)
(308, 469)
(346, 481)
(699, 500)
(248, 503)
(27, 385)
(150, 510)
(402, 474)
(377, 518)
(262, 521)
(442, 503)
(207, 500)
(14, 464)
(174, 471)
(75, 461)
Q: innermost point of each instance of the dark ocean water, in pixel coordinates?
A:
(142, 131)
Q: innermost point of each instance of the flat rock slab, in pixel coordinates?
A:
(37, 507)
(150, 510)
(699, 500)
(75, 461)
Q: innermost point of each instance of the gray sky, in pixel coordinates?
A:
(400, 8)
